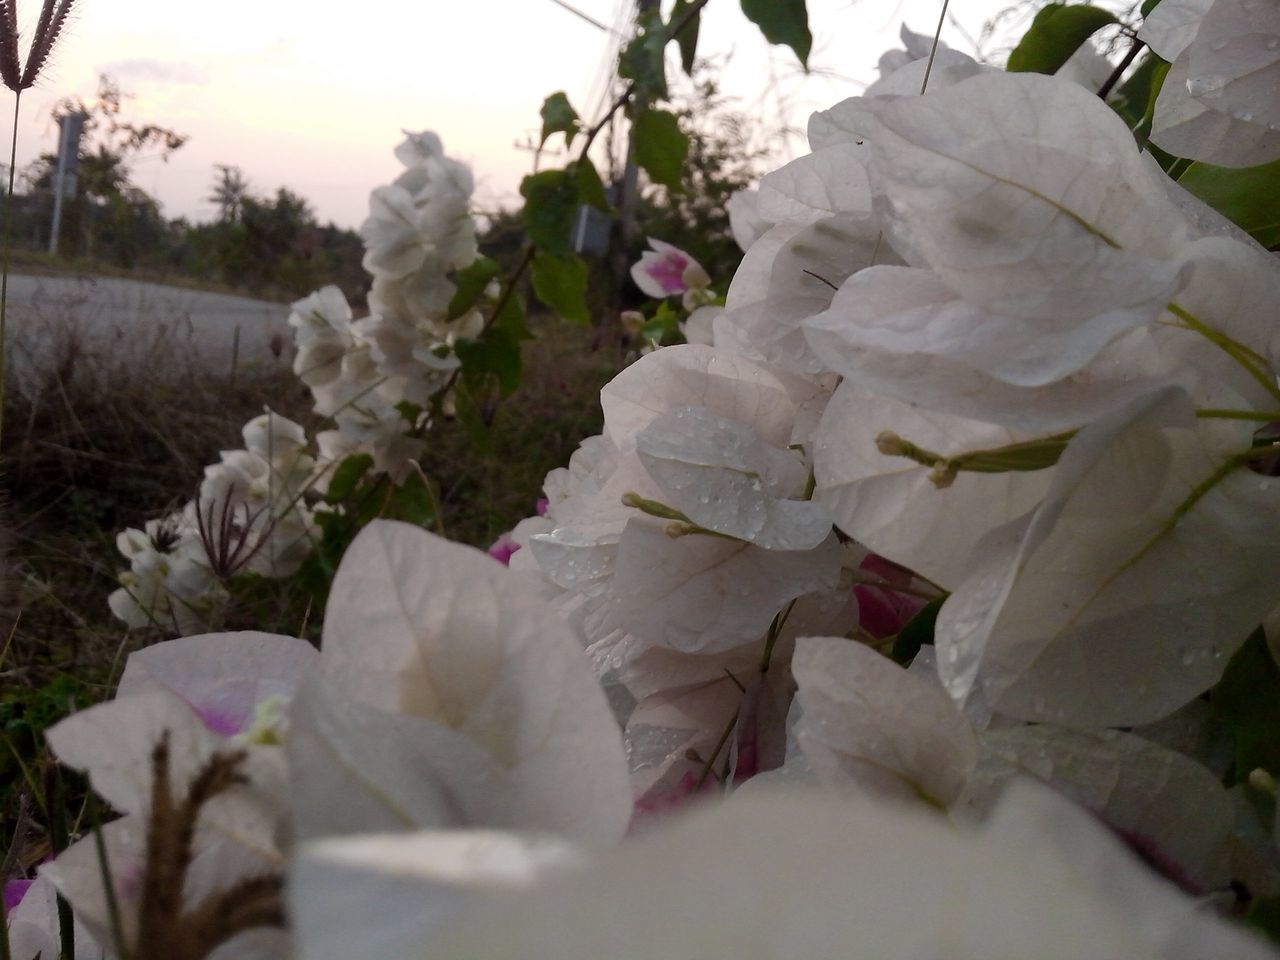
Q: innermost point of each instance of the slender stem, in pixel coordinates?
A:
(1249, 359)
(711, 761)
(933, 51)
(1121, 67)
(4, 257)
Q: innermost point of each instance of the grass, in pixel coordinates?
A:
(106, 434)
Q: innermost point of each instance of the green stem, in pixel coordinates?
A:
(1250, 360)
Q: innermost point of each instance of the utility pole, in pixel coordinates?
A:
(625, 235)
(70, 129)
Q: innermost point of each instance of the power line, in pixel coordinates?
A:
(587, 17)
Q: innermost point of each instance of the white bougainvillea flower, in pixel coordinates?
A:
(1218, 102)
(791, 276)
(692, 375)
(865, 721)
(790, 873)
(745, 221)
(169, 583)
(851, 121)
(33, 928)
(1068, 616)
(208, 695)
(832, 180)
(235, 682)
(382, 897)
(719, 474)
(1044, 232)
(450, 695)
(667, 271)
(1172, 810)
(891, 505)
(711, 593)
(322, 334)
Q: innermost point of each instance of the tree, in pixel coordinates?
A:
(725, 153)
(109, 214)
(229, 192)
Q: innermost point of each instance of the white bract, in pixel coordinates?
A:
(1219, 102)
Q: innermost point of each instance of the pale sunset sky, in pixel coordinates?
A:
(312, 94)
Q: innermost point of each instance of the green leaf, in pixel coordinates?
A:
(590, 187)
(474, 412)
(559, 117)
(1132, 98)
(471, 281)
(687, 38)
(347, 476)
(495, 352)
(660, 146)
(1148, 6)
(1057, 32)
(917, 633)
(561, 283)
(643, 61)
(413, 501)
(782, 21)
(551, 201)
(1248, 196)
(511, 318)
(1247, 698)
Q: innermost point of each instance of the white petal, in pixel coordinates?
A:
(701, 593)
(867, 720)
(418, 625)
(387, 897)
(1064, 220)
(1166, 804)
(1069, 618)
(889, 503)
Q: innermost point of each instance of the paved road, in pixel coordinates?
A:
(117, 320)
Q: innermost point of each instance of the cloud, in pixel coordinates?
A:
(163, 71)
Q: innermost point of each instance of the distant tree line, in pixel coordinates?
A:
(272, 245)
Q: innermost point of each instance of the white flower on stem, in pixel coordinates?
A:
(1068, 615)
(251, 512)
(169, 583)
(322, 325)
(865, 720)
(450, 695)
(207, 695)
(892, 505)
(1055, 238)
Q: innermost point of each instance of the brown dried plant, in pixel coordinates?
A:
(166, 930)
(53, 18)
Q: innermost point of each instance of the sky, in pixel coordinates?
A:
(313, 94)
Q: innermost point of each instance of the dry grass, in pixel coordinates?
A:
(103, 434)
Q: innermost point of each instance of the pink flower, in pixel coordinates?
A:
(502, 549)
(882, 610)
(666, 271)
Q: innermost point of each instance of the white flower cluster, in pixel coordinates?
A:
(249, 517)
(253, 514)
(418, 234)
(981, 350)
(978, 338)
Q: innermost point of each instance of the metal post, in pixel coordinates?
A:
(70, 129)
